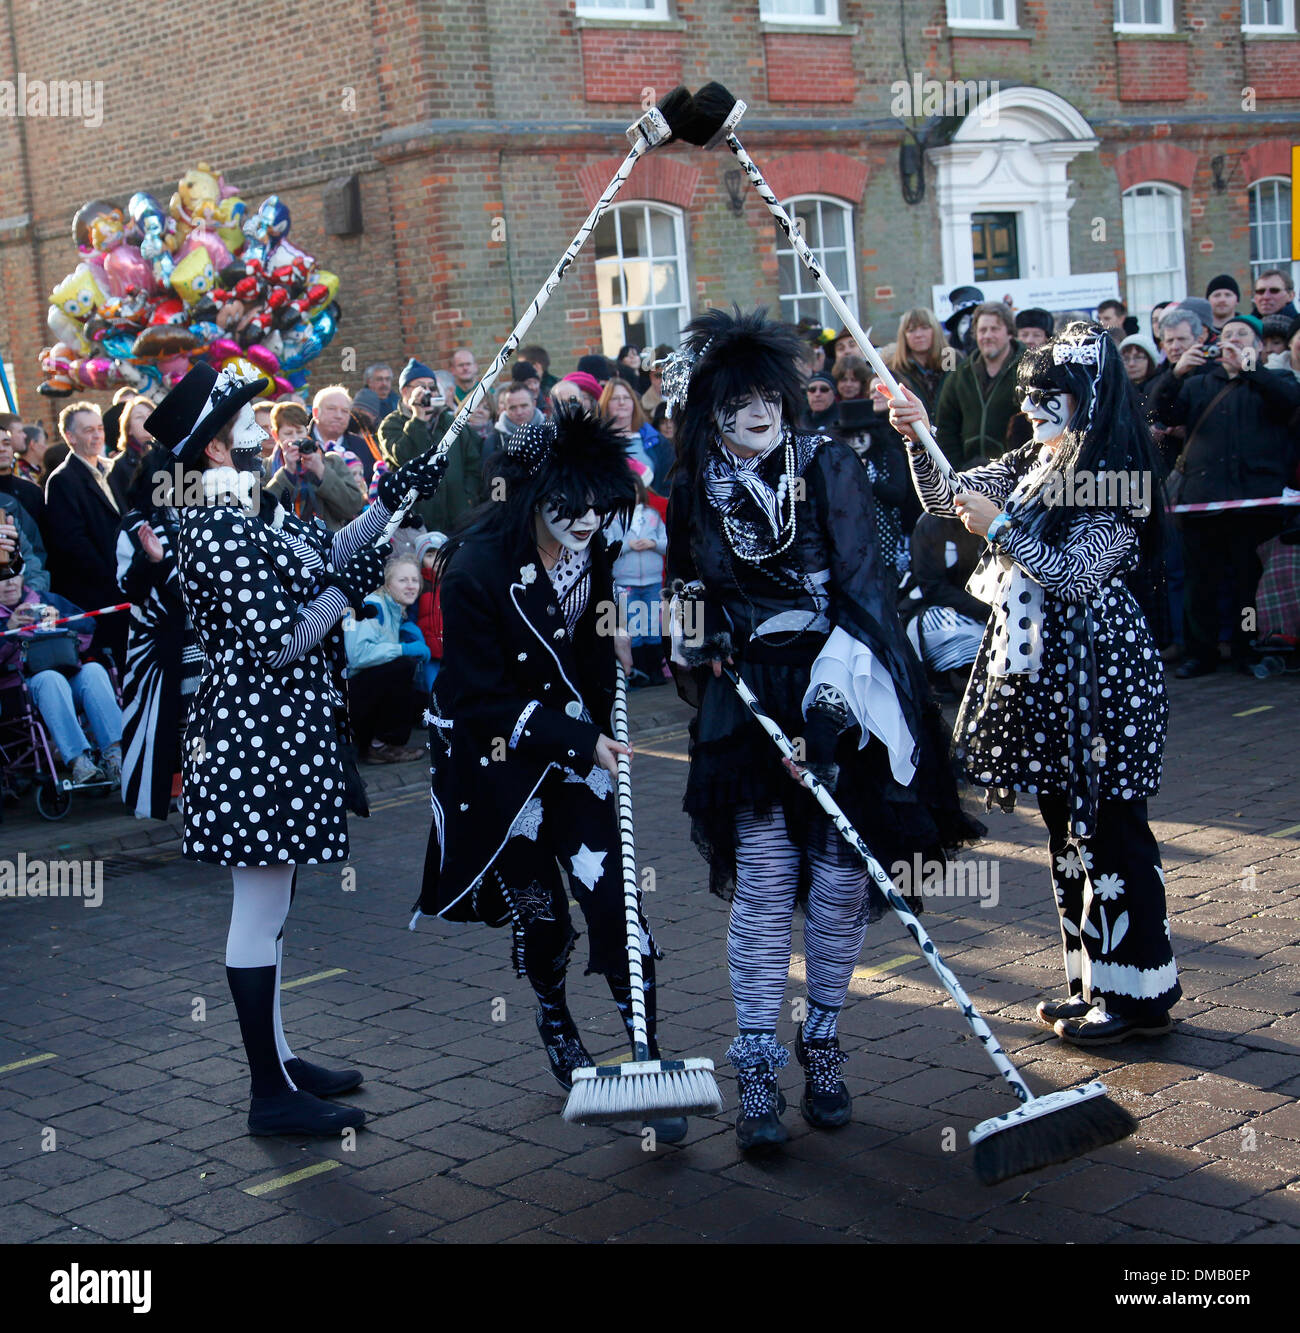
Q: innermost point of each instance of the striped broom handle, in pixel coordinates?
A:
(639, 148)
(950, 983)
(631, 903)
(828, 290)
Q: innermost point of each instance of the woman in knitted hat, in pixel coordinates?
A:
(264, 781)
(1067, 699)
(523, 778)
(773, 553)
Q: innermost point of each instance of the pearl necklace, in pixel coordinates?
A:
(789, 527)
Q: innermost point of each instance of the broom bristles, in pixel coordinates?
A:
(606, 1094)
(1050, 1129)
(678, 109)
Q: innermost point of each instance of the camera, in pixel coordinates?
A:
(425, 398)
(1212, 352)
(308, 446)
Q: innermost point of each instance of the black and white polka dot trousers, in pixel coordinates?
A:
(1110, 894)
(762, 913)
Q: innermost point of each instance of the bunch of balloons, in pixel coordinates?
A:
(158, 288)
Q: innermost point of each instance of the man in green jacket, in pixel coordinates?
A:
(978, 399)
(416, 426)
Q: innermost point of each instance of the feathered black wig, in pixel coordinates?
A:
(574, 460)
(1107, 433)
(735, 355)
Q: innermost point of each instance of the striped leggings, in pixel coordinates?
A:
(762, 916)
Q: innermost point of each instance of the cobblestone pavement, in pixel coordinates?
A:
(122, 1114)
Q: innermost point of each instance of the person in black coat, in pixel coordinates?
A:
(264, 777)
(83, 520)
(1239, 447)
(523, 776)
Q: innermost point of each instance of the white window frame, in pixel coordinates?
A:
(1284, 262)
(814, 292)
(1164, 24)
(769, 13)
(683, 305)
(656, 12)
(995, 25)
(1178, 283)
(1271, 29)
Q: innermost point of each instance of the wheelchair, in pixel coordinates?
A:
(27, 755)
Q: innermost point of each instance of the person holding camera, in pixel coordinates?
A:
(267, 777)
(62, 688)
(310, 481)
(422, 420)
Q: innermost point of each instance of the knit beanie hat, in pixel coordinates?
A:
(414, 370)
(1224, 282)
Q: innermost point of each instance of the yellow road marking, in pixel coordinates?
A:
(1263, 708)
(401, 800)
(879, 969)
(1281, 833)
(31, 1060)
(315, 976)
(292, 1178)
(661, 754)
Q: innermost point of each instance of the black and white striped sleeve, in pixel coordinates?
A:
(996, 480)
(316, 619)
(361, 532)
(1092, 551)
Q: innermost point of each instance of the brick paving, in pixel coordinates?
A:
(127, 1122)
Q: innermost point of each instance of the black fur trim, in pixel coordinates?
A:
(715, 647)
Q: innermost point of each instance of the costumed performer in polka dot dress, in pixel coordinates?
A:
(1067, 699)
(264, 771)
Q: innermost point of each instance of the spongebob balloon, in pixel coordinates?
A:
(194, 276)
(79, 294)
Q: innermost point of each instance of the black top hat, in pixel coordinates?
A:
(198, 407)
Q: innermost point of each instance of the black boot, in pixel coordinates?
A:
(826, 1103)
(559, 1034)
(276, 1107)
(668, 1129)
(321, 1082)
(758, 1121)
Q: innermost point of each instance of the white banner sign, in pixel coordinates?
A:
(1077, 291)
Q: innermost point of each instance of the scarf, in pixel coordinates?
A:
(728, 479)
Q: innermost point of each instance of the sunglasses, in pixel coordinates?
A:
(819, 388)
(1042, 397)
(1269, 291)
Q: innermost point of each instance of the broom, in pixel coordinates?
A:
(644, 1087)
(660, 124)
(1042, 1130)
(713, 116)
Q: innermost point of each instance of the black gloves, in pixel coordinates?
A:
(828, 718)
(360, 576)
(422, 473)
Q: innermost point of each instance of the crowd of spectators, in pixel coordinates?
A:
(1220, 386)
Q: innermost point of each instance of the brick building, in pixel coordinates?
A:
(1146, 137)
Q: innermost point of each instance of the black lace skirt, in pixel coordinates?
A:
(734, 764)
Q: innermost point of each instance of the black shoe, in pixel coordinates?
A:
(321, 1082)
(758, 1123)
(1073, 1006)
(301, 1113)
(564, 1048)
(826, 1103)
(1098, 1028)
(1193, 667)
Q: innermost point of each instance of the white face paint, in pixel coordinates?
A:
(750, 424)
(574, 534)
(246, 439)
(1048, 411)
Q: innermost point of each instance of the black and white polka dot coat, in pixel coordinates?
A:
(1091, 722)
(262, 773)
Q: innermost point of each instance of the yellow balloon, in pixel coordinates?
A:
(243, 367)
(193, 276)
(230, 217)
(331, 281)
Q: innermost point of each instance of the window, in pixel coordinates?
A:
(1144, 15)
(1270, 225)
(1153, 246)
(622, 9)
(641, 276)
(982, 13)
(827, 227)
(826, 12)
(1268, 15)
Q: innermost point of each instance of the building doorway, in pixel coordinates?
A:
(995, 245)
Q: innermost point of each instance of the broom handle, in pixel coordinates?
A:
(837, 301)
(631, 903)
(553, 280)
(950, 983)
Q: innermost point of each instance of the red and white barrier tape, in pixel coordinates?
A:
(1288, 497)
(81, 615)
